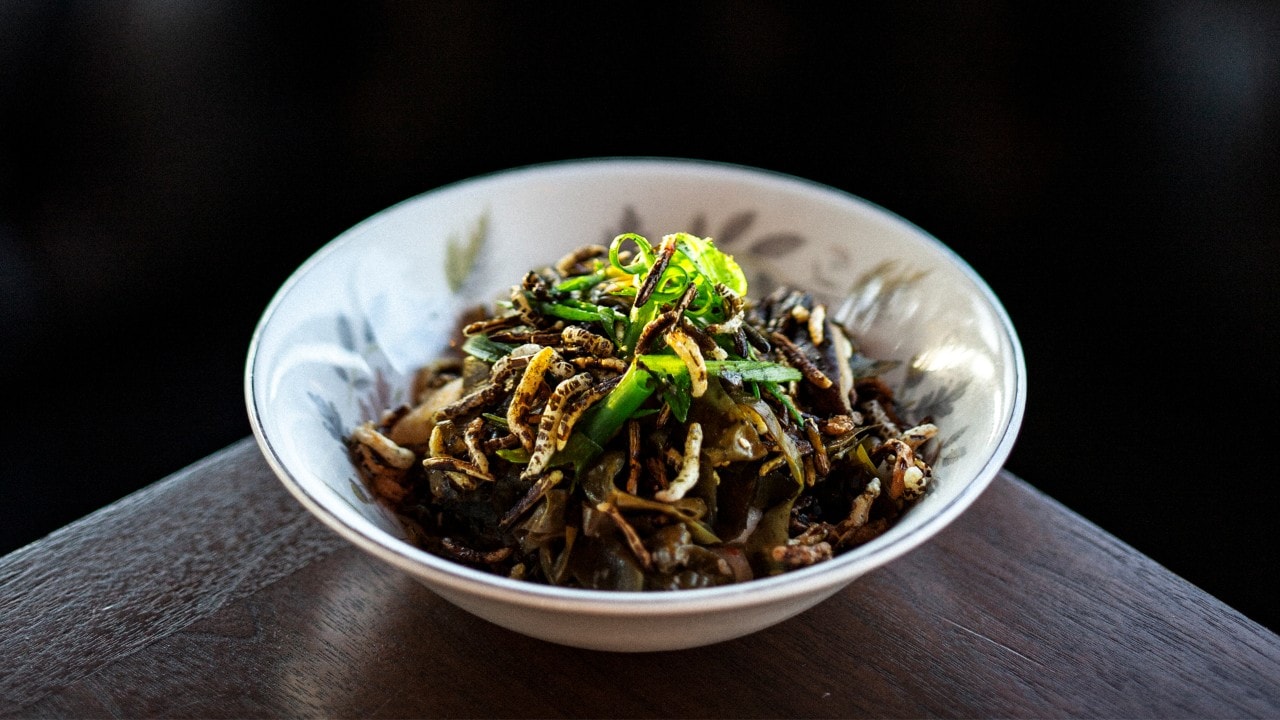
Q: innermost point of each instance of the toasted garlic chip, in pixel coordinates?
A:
(919, 435)
(480, 397)
(580, 338)
(817, 321)
(687, 349)
(524, 395)
(393, 454)
(503, 366)
(906, 480)
(545, 444)
(860, 513)
(914, 482)
(611, 364)
(473, 436)
(688, 475)
(454, 465)
(572, 412)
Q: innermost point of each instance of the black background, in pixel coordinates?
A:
(1109, 168)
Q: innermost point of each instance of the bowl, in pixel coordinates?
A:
(341, 339)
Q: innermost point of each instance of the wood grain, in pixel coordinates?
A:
(212, 594)
(150, 564)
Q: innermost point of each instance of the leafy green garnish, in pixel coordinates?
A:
(488, 350)
(693, 262)
(683, 263)
(713, 266)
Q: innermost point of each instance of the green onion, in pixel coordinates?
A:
(693, 262)
(568, 312)
(785, 399)
(580, 282)
(747, 370)
(482, 347)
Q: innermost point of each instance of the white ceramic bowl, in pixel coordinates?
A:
(341, 339)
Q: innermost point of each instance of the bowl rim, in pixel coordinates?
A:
(827, 575)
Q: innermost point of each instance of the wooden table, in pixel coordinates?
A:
(212, 593)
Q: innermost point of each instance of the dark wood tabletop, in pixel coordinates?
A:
(213, 593)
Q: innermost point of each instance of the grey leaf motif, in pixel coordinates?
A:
(948, 450)
(358, 490)
(629, 222)
(763, 284)
(776, 245)
(940, 402)
(734, 227)
(915, 376)
(830, 267)
(330, 416)
(460, 256)
(880, 289)
(699, 226)
(346, 336)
